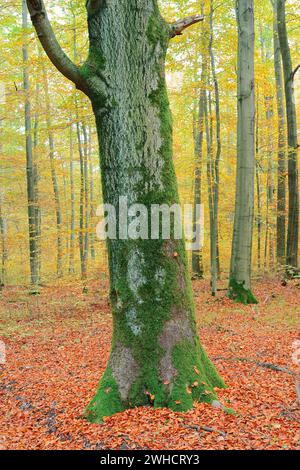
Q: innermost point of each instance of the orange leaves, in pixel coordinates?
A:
(49, 378)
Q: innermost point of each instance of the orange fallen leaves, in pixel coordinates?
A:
(54, 365)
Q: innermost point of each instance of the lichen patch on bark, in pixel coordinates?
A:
(124, 369)
(175, 330)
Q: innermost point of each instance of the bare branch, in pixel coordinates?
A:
(295, 71)
(50, 44)
(177, 28)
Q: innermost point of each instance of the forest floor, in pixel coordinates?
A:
(57, 346)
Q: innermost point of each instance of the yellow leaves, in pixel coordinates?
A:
(151, 396)
(196, 370)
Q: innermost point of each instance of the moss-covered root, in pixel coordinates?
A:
(107, 400)
(239, 294)
(195, 379)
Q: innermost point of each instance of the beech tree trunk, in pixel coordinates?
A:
(56, 192)
(155, 353)
(156, 356)
(282, 147)
(3, 242)
(30, 167)
(198, 131)
(198, 134)
(215, 261)
(72, 201)
(293, 218)
(240, 272)
(258, 190)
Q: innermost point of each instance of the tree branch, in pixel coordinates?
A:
(177, 28)
(50, 44)
(295, 71)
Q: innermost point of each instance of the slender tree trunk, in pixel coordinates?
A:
(30, 168)
(92, 197)
(281, 165)
(258, 191)
(216, 163)
(293, 218)
(156, 356)
(210, 185)
(269, 248)
(38, 213)
(4, 249)
(86, 192)
(83, 236)
(58, 212)
(259, 216)
(198, 134)
(197, 258)
(240, 272)
(72, 199)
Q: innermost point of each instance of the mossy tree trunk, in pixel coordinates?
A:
(240, 272)
(156, 357)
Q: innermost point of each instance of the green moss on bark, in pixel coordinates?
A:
(107, 400)
(156, 357)
(239, 294)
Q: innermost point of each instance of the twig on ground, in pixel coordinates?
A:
(204, 428)
(266, 365)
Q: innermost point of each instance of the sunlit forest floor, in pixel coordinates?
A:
(57, 346)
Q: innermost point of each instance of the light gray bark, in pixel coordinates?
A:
(4, 247)
(55, 185)
(215, 261)
(72, 201)
(240, 273)
(30, 167)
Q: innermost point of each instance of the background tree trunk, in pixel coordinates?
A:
(293, 218)
(30, 167)
(216, 163)
(56, 192)
(281, 160)
(240, 272)
(258, 190)
(72, 199)
(197, 259)
(3, 233)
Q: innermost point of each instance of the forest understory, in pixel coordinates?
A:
(57, 344)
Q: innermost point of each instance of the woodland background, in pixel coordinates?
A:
(57, 343)
(65, 119)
